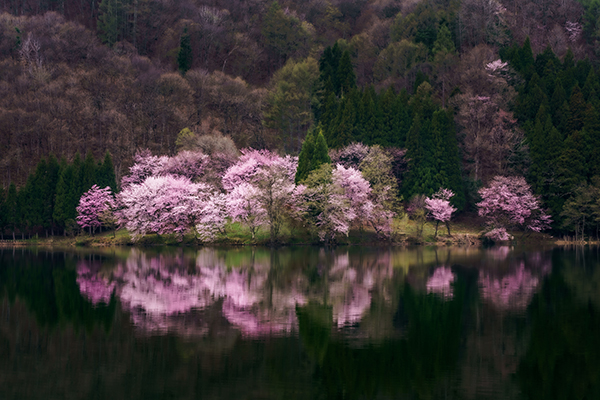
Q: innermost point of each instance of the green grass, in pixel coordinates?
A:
(464, 231)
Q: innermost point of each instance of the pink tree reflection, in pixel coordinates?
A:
(441, 282)
(93, 287)
(513, 291)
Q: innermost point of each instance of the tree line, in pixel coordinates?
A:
(47, 203)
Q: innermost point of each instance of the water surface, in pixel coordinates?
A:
(300, 323)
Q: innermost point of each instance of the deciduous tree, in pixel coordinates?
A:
(95, 205)
(507, 202)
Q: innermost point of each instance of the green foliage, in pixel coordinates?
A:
(291, 100)
(283, 34)
(110, 21)
(87, 174)
(581, 211)
(185, 55)
(314, 153)
(105, 173)
(345, 75)
(305, 157)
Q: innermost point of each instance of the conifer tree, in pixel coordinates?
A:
(447, 157)
(341, 132)
(87, 174)
(402, 121)
(110, 19)
(388, 117)
(368, 119)
(320, 154)
(525, 58)
(105, 174)
(558, 98)
(345, 75)
(591, 87)
(185, 55)
(12, 210)
(305, 157)
(3, 212)
(67, 196)
(577, 107)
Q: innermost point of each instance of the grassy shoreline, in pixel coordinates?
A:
(466, 232)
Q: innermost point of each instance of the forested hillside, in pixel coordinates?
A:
(471, 89)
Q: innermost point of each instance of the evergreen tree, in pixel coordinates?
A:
(577, 107)
(12, 210)
(388, 118)
(305, 157)
(342, 131)
(525, 60)
(571, 169)
(345, 75)
(184, 57)
(320, 154)
(547, 64)
(368, 119)
(402, 121)
(329, 64)
(67, 197)
(110, 21)
(446, 157)
(591, 87)
(3, 212)
(558, 98)
(105, 174)
(87, 174)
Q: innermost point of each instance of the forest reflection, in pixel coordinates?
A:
(318, 323)
(258, 291)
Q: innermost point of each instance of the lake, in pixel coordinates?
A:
(300, 323)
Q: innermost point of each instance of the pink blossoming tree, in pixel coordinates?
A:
(440, 209)
(145, 165)
(509, 203)
(327, 210)
(163, 204)
(273, 178)
(243, 206)
(95, 205)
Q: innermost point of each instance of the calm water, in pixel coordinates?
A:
(300, 323)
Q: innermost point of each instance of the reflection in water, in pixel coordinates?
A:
(260, 298)
(314, 323)
(92, 286)
(441, 282)
(511, 284)
(513, 291)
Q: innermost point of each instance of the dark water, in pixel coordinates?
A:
(300, 323)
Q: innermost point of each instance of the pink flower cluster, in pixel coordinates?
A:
(93, 207)
(509, 203)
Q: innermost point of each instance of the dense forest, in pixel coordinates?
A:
(463, 90)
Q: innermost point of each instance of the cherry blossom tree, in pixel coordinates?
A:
(243, 206)
(334, 199)
(327, 210)
(95, 205)
(509, 203)
(357, 191)
(162, 205)
(191, 164)
(273, 178)
(211, 219)
(251, 165)
(145, 165)
(440, 209)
